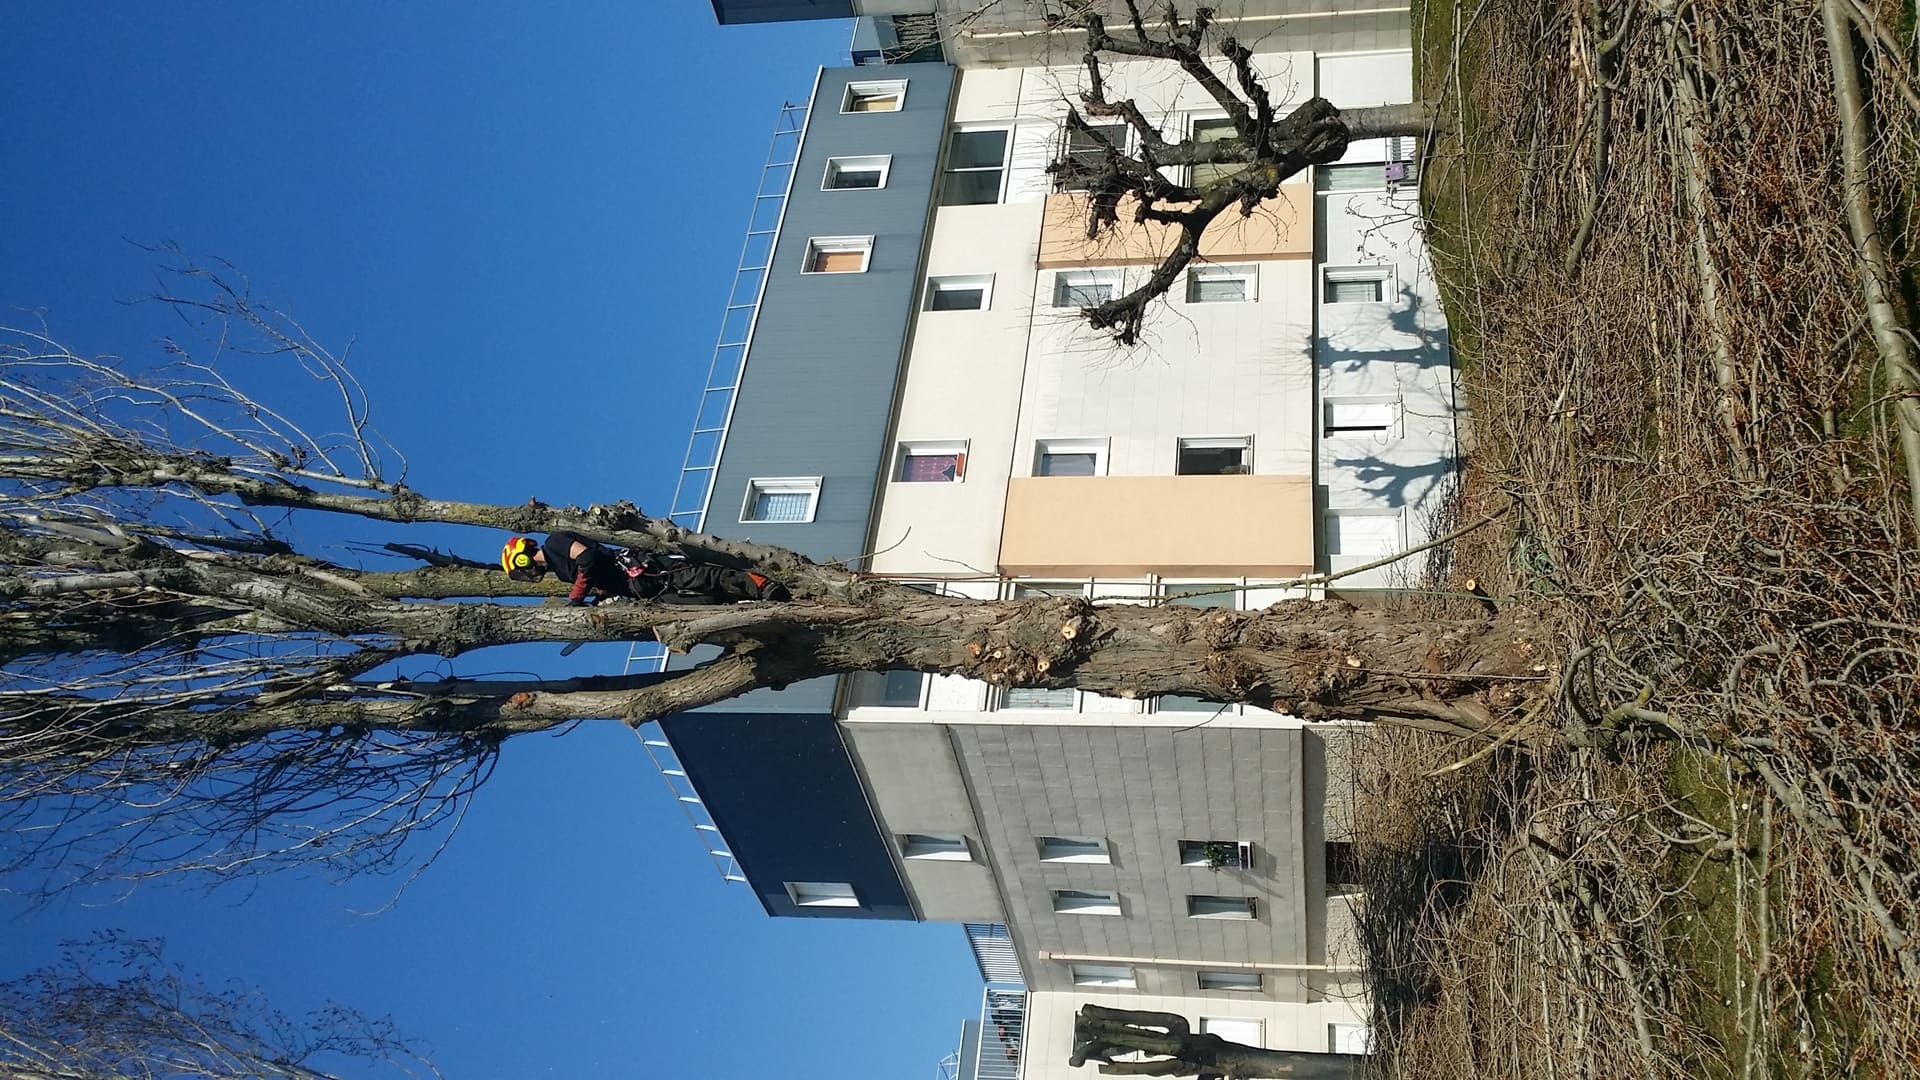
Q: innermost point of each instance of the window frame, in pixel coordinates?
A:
(1097, 902)
(1335, 513)
(1098, 446)
(1396, 410)
(1249, 273)
(947, 168)
(943, 847)
(874, 89)
(1079, 278)
(1184, 443)
(832, 245)
(937, 283)
(1218, 906)
(1194, 120)
(1234, 982)
(1193, 853)
(781, 485)
(1071, 849)
(1382, 275)
(911, 448)
(1065, 150)
(1104, 976)
(1025, 590)
(823, 894)
(836, 166)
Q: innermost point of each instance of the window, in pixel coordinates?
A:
(935, 848)
(1040, 697)
(852, 173)
(1212, 129)
(1220, 907)
(1246, 982)
(874, 97)
(976, 167)
(1343, 868)
(1215, 854)
(931, 463)
(1361, 536)
(786, 500)
(1357, 285)
(969, 292)
(1349, 1039)
(1222, 284)
(822, 894)
(837, 255)
(1197, 595)
(1070, 457)
(1084, 154)
(1360, 416)
(1073, 849)
(1371, 176)
(888, 689)
(1215, 457)
(1084, 288)
(1085, 902)
(1112, 976)
(1244, 1030)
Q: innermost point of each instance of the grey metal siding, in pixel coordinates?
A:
(816, 397)
(786, 797)
(753, 11)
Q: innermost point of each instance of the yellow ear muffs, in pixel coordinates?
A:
(516, 555)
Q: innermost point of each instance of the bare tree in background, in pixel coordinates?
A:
(1191, 183)
(114, 1009)
(188, 684)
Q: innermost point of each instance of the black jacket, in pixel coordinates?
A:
(594, 570)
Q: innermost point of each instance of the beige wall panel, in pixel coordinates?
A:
(1180, 526)
(1279, 227)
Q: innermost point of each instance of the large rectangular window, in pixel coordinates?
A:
(785, 499)
(1040, 697)
(976, 167)
(1196, 595)
(1084, 154)
(1070, 457)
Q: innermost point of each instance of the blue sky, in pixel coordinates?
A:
(525, 223)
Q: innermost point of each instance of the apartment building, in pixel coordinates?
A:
(907, 386)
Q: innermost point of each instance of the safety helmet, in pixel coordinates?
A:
(517, 558)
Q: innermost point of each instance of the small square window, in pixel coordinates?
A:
(1085, 902)
(874, 96)
(822, 894)
(1215, 457)
(1360, 416)
(837, 255)
(1216, 854)
(1073, 849)
(1084, 288)
(1110, 976)
(935, 848)
(1070, 457)
(1357, 285)
(1222, 284)
(931, 463)
(969, 292)
(781, 500)
(1245, 982)
(1220, 907)
(976, 172)
(854, 173)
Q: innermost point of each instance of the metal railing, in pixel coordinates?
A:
(1003, 1035)
(665, 760)
(993, 950)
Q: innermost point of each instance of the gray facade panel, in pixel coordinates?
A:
(816, 398)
